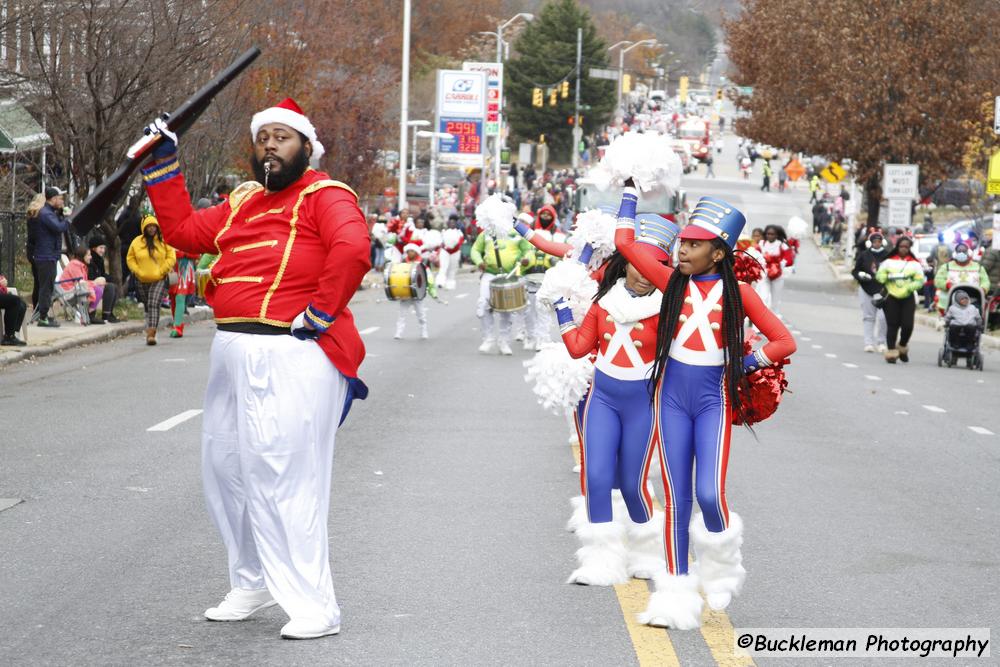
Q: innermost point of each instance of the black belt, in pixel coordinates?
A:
(255, 328)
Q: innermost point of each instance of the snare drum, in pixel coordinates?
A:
(405, 281)
(508, 295)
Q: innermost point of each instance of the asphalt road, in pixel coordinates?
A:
(863, 506)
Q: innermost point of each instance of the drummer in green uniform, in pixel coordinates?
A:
(497, 258)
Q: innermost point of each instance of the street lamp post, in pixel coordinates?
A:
(434, 136)
(413, 160)
(499, 139)
(404, 105)
(621, 58)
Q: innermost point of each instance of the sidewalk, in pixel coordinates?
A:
(43, 342)
(842, 274)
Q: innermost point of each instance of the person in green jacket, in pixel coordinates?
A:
(903, 276)
(513, 253)
(959, 270)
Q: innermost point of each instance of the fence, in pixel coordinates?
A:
(13, 233)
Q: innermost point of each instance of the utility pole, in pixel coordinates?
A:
(577, 130)
(404, 106)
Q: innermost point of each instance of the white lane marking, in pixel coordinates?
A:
(980, 430)
(369, 330)
(847, 365)
(830, 355)
(901, 392)
(168, 361)
(796, 332)
(817, 347)
(873, 377)
(168, 424)
(462, 295)
(805, 338)
(934, 408)
(901, 412)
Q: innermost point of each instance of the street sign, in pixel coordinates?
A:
(833, 173)
(899, 212)
(597, 73)
(461, 112)
(494, 92)
(993, 177)
(996, 115)
(899, 181)
(524, 154)
(682, 90)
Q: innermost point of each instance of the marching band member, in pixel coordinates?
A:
(778, 256)
(292, 249)
(536, 320)
(617, 425)
(496, 257)
(449, 258)
(699, 366)
(412, 251)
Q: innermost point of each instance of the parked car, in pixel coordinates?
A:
(958, 192)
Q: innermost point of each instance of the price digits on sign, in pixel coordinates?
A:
(468, 137)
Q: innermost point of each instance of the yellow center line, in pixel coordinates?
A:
(652, 646)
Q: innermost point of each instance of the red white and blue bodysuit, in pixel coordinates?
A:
(692, 409)
(619, 433)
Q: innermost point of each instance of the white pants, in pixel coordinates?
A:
(419, 308)
(272, 407)
(485, 313)
(448, 269)
(872, 318)
(773, 289)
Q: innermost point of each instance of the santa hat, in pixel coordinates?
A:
(411, 246)
(287, 112)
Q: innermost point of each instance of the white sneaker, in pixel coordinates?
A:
(423, 334)
(870, 348)
(487, 346)
(528, 344)
(881, 349)
(398, 336)
(306, 629)
(505, 348)
(240, 604)
(519, 337)
(538, 346)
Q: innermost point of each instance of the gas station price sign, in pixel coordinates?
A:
(467, 144)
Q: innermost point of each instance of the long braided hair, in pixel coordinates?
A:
(732, 325)
(614, 270)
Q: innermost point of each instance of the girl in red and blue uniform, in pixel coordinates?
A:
(698, 369)
(617, 421)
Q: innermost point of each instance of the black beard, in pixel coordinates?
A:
(288, 174)
(545, 223)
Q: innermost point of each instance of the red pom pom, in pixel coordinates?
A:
(762, 393)
(773, 270)
(746, 268)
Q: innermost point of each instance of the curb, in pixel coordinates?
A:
(106, 333)
(930, 321)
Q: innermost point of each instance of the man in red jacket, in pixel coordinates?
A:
(292, 249)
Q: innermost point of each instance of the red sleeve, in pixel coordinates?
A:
(344, 232)
(184, 228)
(789, 255)
(553, 248)
(780, 344)
(582, 340)
(651, 269)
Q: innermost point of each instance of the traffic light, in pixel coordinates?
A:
(537, 100)
(718, 94)
(570, 120)
(553, 97)
(541, 138)
(626, 83)
(565, 89)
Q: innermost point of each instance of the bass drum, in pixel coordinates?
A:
(405, 281)
(508, 295)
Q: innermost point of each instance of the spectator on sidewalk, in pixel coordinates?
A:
(14, 309)
(34, 208)
(49, 230)
(150, 259)
(709, 173)
(76, 272)
(959, 270)
(97, 271)
(783, 177)
(870, 291)
(767, 173)
(814, 189)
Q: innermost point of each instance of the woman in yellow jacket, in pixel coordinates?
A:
(150, 259)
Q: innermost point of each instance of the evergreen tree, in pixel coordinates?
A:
(546, 56)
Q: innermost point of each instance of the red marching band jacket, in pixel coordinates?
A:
(304, 249)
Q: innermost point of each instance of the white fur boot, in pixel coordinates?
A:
(579, 516)
(602, 556)
(720, 563)
(676, 603)
(645, 547)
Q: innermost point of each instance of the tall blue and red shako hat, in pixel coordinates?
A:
(657, 233)
(714, 218)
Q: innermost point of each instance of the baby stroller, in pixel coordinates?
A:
(962, 342)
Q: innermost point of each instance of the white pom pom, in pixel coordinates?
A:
(797, 227)
(649, 159)
(596, 228)
(451, 237)
(558, 380)
(379, 230)
(496, 217)
(571, 281)
(432, 239)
